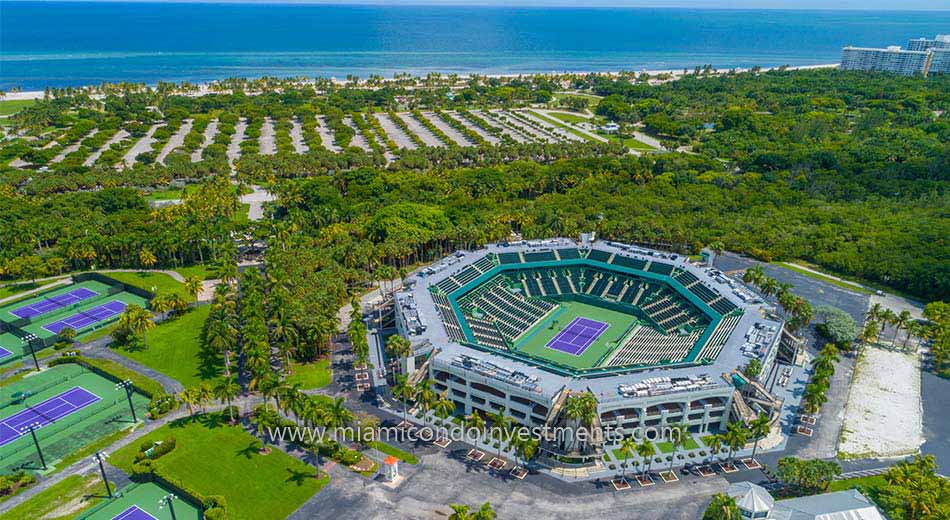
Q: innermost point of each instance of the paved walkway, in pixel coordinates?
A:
(41, 288)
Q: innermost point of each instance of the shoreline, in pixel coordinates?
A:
(204, 88)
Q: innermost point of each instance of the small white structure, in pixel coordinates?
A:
(391, 469)
(610, 128)
(755, 502)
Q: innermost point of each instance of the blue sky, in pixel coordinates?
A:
(715, 4)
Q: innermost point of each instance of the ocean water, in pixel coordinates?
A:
(72, 43)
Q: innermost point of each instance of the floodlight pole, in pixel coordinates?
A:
(167, 500)
(127, 385)
(100, 457)
(33, 353)
(32, 428)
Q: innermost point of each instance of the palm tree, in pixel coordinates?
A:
(714, 442)
(147, 258)
(500, 423)
(137, 321)
(868, 334)
(735, 437)
(425, 397)
(647, 451)
(444, 406)
(679, 438)
(338, 415)
(722, 507)
(193, 286)
(405, 392)
(628, 446)
(888, 318)
(875, 313)
(759, 428)
(901, 321)
(161, 304)
(475, 422)
(460, 512)
(226, 390)
(68, 334)
(753, 275)
(398, 347)
(189, 397)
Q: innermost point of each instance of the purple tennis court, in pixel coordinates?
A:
(577, 336)
(47, 412)
(52, 303)
(83, 319)
(4, 353)
(133, 513)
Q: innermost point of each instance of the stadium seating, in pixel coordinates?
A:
(540, 256)
(599, 256)
(509, 258)
(568, 253)
(626, 261)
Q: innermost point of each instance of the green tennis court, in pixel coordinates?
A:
(53, 300)
(141, 502)
(535, 342)
(62, 432)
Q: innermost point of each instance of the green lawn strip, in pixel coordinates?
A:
(632, 142)
(75, 492)
(9, 290)
(839, 283)
(97, 334)
(560, 124)
(570, 118)
(592, 98)
(395, 452)
(158, 283)
(872, 483)
(117, 371)
(174, 348)
(9, 107)
(311, 375)
(203, 272)
(214, 458)
(667, 447)
(91, 449)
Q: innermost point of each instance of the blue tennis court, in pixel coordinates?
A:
(83, 319)
(133, 513)
(51, 303)
(4, 353)
(47, 412)
(577, 336)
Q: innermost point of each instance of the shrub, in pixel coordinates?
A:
(11, 484)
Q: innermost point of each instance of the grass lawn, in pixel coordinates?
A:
(160, 282)
(214, 458)
(875, 482)
(311, 375)
(9, 290)
(12, 106)
(174, 349)
(667, 447)
(593, 99)
(395, 452)
(569, 118)
(618, 454)
(844, 285)
(61, 501)
(201, 271)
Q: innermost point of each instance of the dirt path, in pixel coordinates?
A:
(326, 136)
(144, 145)
(473, 127)
(296, 136)
(72, 148)
(417, 128)
(94, 156)
(447, 129)
(176, 140)
(210, 132)
(267, 145)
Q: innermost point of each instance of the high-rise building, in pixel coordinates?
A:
(942, 41)
(892, 59)
(940, 61)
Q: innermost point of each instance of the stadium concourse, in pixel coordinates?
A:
(656, 339)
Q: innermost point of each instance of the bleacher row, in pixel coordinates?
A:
(453, 283)
(718, 338)
(646, 346)
(502, 314)
(452, 326)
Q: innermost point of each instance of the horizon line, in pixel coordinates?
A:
(521, 4)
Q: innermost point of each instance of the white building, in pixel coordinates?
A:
(755, 502)
(891, 59)
(942, 41)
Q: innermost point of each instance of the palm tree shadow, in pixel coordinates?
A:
(299, 476)
(253, 448)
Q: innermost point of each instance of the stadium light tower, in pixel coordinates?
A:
(100, 457)
(32, 427)
(167, 501)
(29, 341)
(127, 385)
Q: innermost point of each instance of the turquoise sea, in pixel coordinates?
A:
(77, 43)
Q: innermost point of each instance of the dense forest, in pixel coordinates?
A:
(847, 171)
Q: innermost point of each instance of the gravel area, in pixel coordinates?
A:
(505, 129)
(234, 147)
(144, 145)
(94, 156)
(358, 140)
(296, 136)
(472, 126)
(884, 414)
(72, 148)
(553, 129)
(394, 132)
(176, 140)
(529, 131)
(210, 131)
(447, 129)
(267, 145)
(326, 136)
(417, 128)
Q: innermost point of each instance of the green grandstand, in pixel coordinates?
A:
(585, 311)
